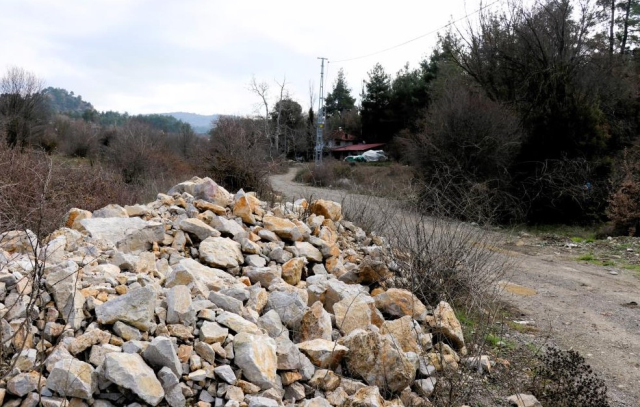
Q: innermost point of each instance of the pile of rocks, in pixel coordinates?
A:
(207, 298)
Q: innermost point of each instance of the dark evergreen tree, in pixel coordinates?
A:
(376, 112)
(340, 99)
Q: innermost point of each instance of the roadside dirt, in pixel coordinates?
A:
(590, 308)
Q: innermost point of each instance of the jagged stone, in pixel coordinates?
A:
(289, 305)
(128, 370)
(407, 334)
(292, 270)
(315, 323)
(62, 282)
(397, 303)
(23, 383)
(198, 228)
(256, 356)
(226, 302)
(205, 189)
(377, 360)
(221, 252)
(323, 353)
(523, 400)
(366, 397)
(445, 322)
(111, 211)
(135, 308)
(179, 306)
(327, 209)
(211, 332)
(171, 386)
(237, 324)
(226, 374)
(161, 353)
(357, 312)
(72, 378)
(282, 227)
(306, 250)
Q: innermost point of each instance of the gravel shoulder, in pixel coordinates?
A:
(585, 307)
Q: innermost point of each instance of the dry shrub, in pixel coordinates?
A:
(237, 155)
(624, 202)
(37, 190)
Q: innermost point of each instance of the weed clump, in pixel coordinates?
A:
(563, 379)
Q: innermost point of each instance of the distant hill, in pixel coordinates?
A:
(199, 122)
(63, 101)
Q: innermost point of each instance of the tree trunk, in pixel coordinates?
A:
(611, 25)
(625, 31)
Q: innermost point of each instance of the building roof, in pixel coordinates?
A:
(358, 147)
(342, 136)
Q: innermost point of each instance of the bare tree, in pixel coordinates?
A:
(22, 105)
(262, 91)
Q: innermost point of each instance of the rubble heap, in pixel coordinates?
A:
(206, 298)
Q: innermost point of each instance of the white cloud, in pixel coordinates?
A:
(147, 56)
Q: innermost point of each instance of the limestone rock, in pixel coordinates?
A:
(221, 252)
(121, 231)
(161, 353)
(198, 228)
(62, 282)
(128, 370)
(171, 386)
(356, 312)
(444, 321)
(397, 303)
(407, 334)
(135, 308)
(282, 227)
(315, 323)
(323, 353)
(226, 302)
(377, 360)
(289, 305)
(179, 306)
(111, 211)
(243, 209)
(256, 356)
(366, 397)
(211, 332)
(205, 189)
(193, 274)
(328, 209)
(523, 400)
(72, 378)
(237, 324)
(307, 250)
(292, 270)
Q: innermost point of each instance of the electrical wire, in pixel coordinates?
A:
(420, 36)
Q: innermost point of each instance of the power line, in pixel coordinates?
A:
(419, 37)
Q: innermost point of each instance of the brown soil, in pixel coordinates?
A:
(591, 308)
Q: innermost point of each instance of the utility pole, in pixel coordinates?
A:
(319, 137)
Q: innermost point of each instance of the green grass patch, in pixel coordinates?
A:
(587, 257)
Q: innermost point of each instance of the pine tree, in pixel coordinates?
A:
(376, 112)
(340, 99)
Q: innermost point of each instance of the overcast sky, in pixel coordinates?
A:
(152, 56)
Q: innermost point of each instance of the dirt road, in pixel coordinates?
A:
(581, 306)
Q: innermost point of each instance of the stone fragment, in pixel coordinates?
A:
(328, 209)
(197, 276)
(263, 275)
(366, 397)
(161, 353)
(315, 323)
(256, 356)
(289, 305)
(282, 227)
(237, 324)
(88, 339)
(221, 252)
(378, 361)
(270, 322)
(226, 374)
(74, 216)
(292, 270)
(326, 380)
(226, 302)
(262, 402)
(99, 352)
(481, 364)
(306, 250)
(205, 189)
(128, 370)
(397, 303)
(62, 282)
(523, 400)
(356, 312)
(323, 353)
(171, 386)
(135, 308)
(179, 306)
(424, 387)
(126, 332)
(72, 378)
(243, 209)
(125, 233)
(407, 334)
(111, 211)
(23, 383)
(211, 332)
(444, 322)
(198, 228)
(316, 402)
